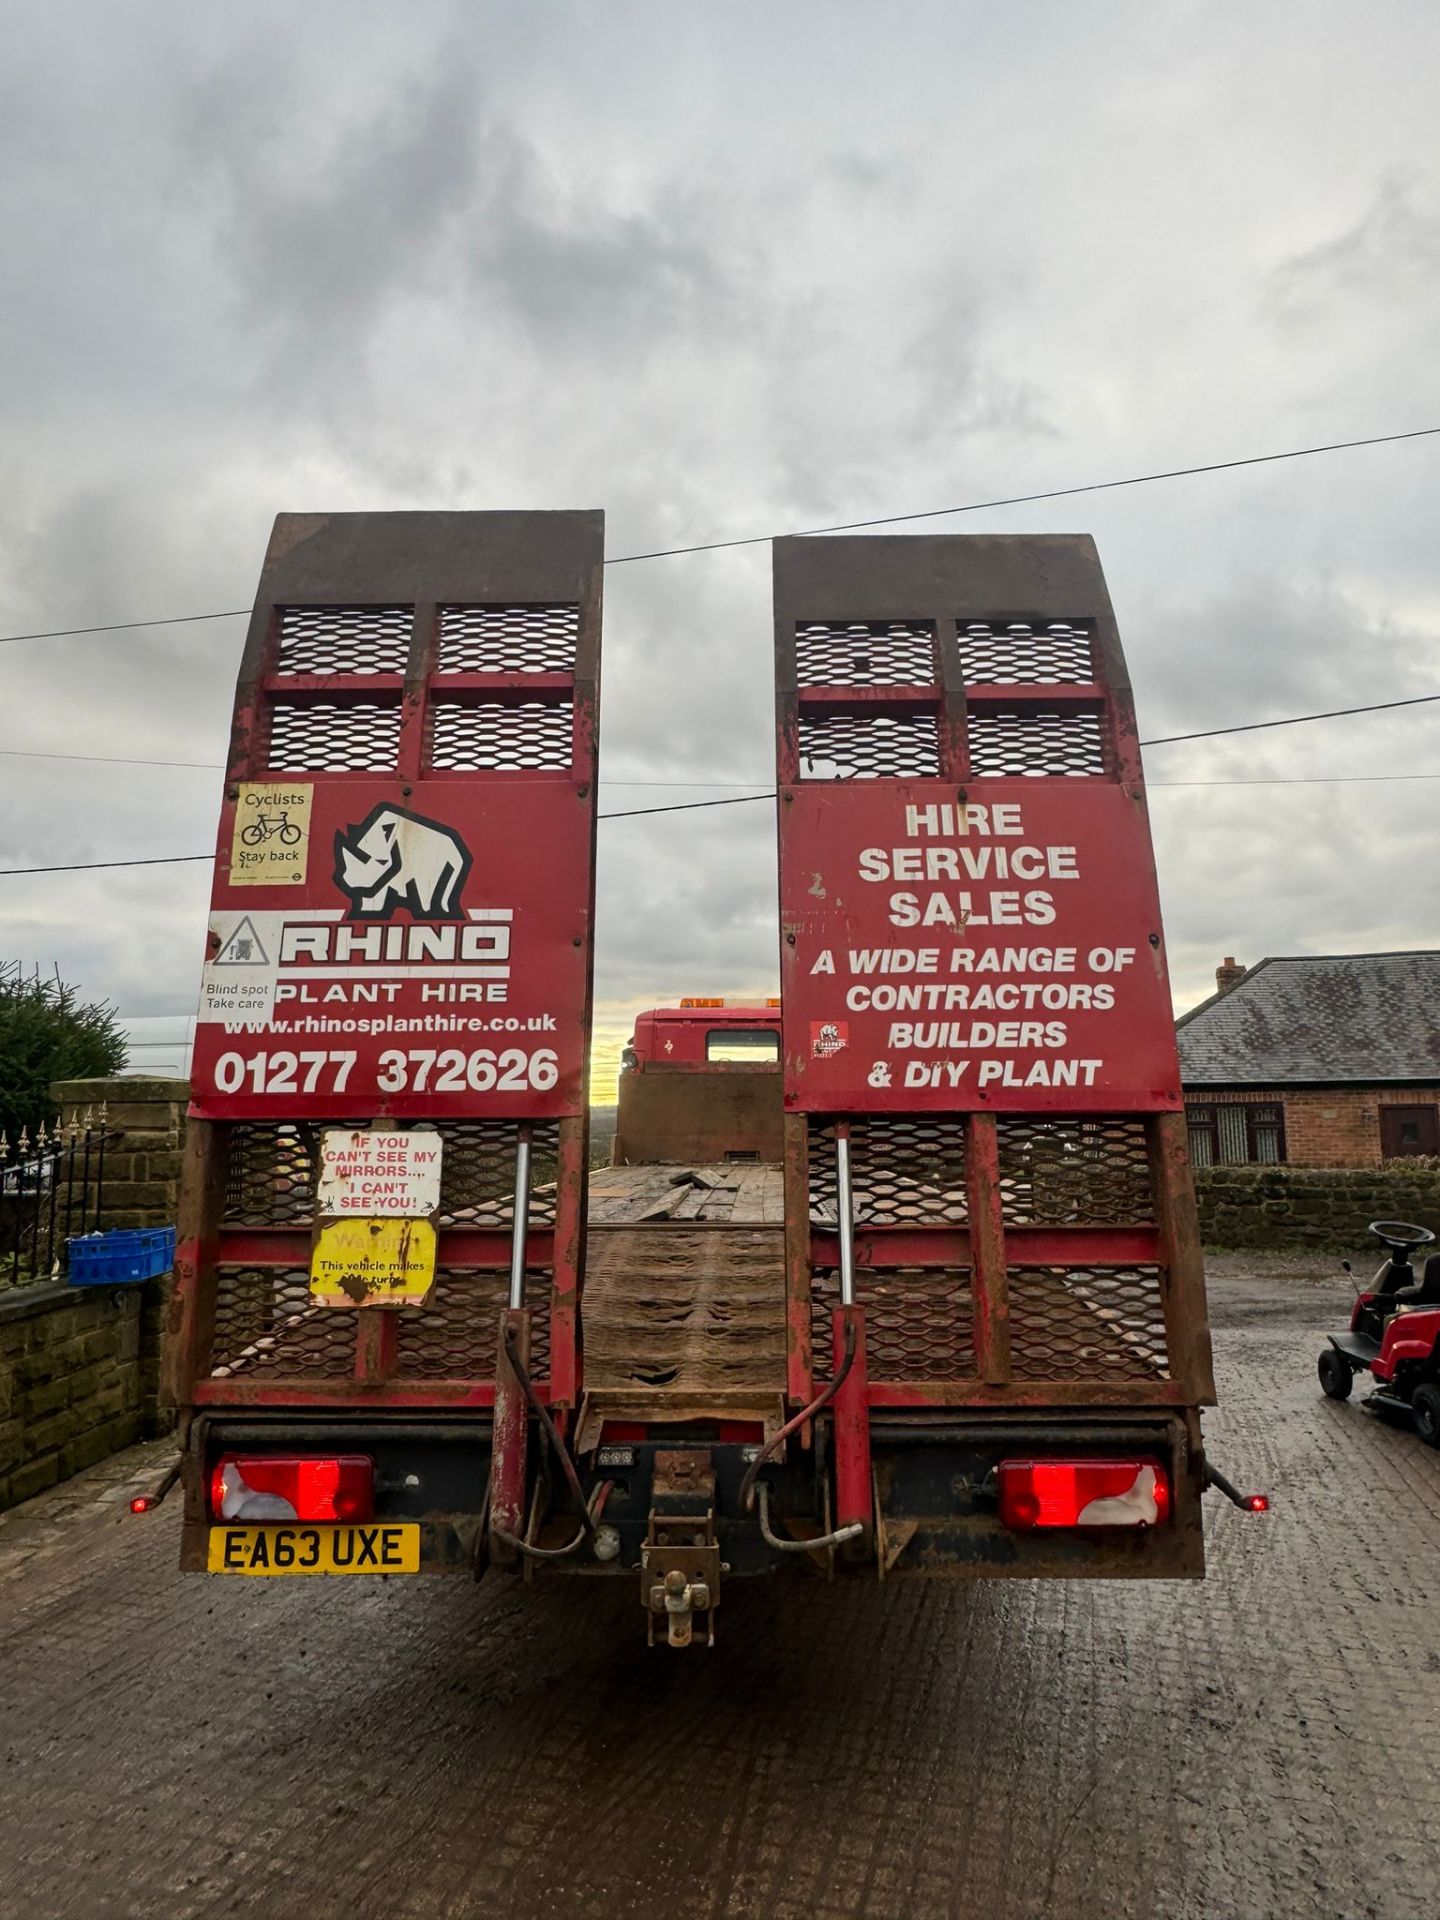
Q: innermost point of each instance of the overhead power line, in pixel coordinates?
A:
(124, 626)
(1296, 780)
(1028, 499)
(1164, 740)
(91, 866)
(740, 800)
(218, 766)
(1292, 780)
(688, 806)
(850, 526)
(1304, 780)
(1295, 720)
(108, 759)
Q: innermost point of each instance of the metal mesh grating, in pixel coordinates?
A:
(903, 1172)
(266, 1325)
(1065, 1172)
(917, 1323)
(270, 1173)
(854, 746)
(266, 1322)
(1023, 741)
(1020, 654)
(320, 737)
(873, 653)
(344, 639)
(1097, 1324)
(529, 737)
(454, 1335)
(477, 1173)
(508, 639)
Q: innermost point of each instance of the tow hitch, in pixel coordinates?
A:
(680, 1577)
(680, 1564)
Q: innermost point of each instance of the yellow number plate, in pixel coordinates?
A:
(374, 1548)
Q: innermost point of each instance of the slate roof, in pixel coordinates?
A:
(1324, 1020)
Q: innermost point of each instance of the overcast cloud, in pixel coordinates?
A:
(726, 271)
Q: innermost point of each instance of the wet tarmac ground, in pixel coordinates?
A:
(1266, 1744)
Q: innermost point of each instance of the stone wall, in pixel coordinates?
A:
(146, 1123)
(80, 1366)
(69, 1383)
(1328, 1209)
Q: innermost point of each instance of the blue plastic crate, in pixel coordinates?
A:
(121, 1257)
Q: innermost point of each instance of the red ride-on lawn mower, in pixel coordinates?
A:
(1394, 1335)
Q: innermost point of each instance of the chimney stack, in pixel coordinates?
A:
(1229, 975)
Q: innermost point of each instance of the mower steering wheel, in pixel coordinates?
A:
(1400, 1236)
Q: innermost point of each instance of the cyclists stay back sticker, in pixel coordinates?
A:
(271, 841)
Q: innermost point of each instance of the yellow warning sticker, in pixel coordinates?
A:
(271, 841)
(372, 1263)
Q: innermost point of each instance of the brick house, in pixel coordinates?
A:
(1330, 1061)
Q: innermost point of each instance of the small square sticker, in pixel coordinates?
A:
(828, 1037)
(270, 841)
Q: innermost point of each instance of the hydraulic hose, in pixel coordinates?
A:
(817, 1405)
(835, 1539)
(562, 1452)
(592, 1514)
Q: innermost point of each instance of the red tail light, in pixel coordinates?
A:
(286, 1486)
(1083, 1493)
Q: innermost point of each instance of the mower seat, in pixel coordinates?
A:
(1426, 1293)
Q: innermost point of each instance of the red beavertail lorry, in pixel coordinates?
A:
(701, 1082)
(949, 1319)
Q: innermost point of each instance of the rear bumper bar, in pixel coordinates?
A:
(935, 1506)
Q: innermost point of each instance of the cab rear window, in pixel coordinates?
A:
(742, 1044)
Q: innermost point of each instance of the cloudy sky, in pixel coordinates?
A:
(722, 271)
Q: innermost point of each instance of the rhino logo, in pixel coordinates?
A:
(398, 859)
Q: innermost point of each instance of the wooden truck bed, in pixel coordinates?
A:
(684, 1301)
(685, 1297)
(730, 1190)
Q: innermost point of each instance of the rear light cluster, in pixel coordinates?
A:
(1033, 1493)
(1083, 1493)
(284, 1486)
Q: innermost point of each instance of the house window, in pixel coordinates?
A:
(1265, 1127)
(1236, 1134)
